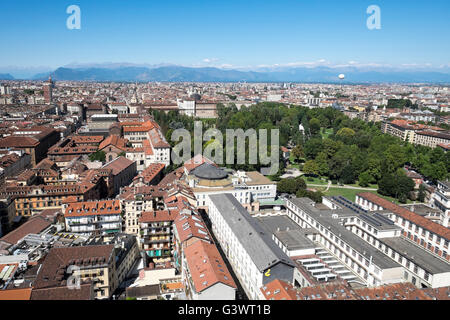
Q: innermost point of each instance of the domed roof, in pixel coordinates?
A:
(209, 172)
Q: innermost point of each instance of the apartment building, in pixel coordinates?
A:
(34, 141)
(105, 266)
(123, 171)
(149, 143)
(88, 263)
(196, 257)
(416, 133)
(205, 110)
(34, 199)
(400, 129)
(205, 274)
(336, 235)
(431, 139)
(99, 124)
(136, 200)
(152, 175)
(431, 236)
(441, 200)
(254, 257)
(422, 247)
(13, 164)
(93, 217)
(95, 109)
(156, 233)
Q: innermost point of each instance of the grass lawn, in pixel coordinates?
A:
(325, 132)
(350, 194)
(373, 186)
(293, 165)
(315, 181)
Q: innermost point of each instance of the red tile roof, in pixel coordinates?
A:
(280, 290)
(115, 141)
(189, 226)
(87, 139)
(159, 216)
(84, 292)
(34, 225)
(118, 165)
(15, 294)
(93, 208)
(147, 148)
(196, 161)
(152, 171)
(59, 259)
(206, 266)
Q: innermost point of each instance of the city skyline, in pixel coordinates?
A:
(231, 35)
(231, 152)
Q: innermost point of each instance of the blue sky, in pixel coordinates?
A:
(225, 33)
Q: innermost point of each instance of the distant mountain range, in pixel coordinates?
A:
(6, 76)
(172, 73)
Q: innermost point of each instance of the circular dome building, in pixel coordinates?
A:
(209, 172)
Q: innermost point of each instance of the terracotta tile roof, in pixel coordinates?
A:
(174, 286)
(146, 192)
(147, 148)
(18, 142)
(118, 165)
(196, 161)
(434, 134)
(159, 216)
(8, 160)
(26, 191)
(59, 259)
(206, 266)
(71, 149)
(279, 290)
(398, 291)
(408, 215)
(141, 128)
(87, 139)
(115, 141)
(157, 139)
(152, 171)
(15, 294)
(93, 208)
(438, 293)
(189, 226)
(34, 225)
(84, 292)
(46, 164)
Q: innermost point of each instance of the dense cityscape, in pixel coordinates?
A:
(224, 159)
(93, 206)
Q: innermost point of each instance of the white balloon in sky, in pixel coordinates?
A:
(342, 76)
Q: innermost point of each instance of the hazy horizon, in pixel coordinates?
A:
(239, 35)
